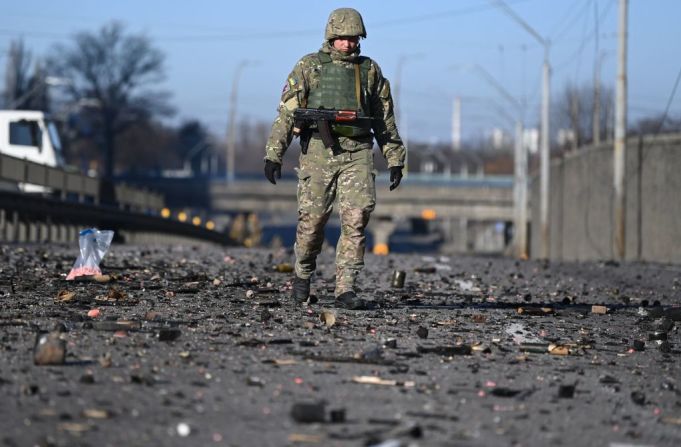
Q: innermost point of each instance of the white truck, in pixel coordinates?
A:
(29, 135)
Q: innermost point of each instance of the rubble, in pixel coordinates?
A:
(182, 342)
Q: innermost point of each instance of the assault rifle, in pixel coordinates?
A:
(303, 118)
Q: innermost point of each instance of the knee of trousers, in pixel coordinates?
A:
(354, 221)
(310, 232)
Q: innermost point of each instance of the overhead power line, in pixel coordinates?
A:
(243, 36)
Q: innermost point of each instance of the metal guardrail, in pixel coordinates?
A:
(85, 189)
(34, 218)
(70, 201)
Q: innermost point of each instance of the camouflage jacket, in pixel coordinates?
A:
(306, 73)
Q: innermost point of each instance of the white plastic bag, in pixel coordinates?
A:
(93, 246)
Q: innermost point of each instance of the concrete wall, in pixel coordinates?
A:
(581, 202)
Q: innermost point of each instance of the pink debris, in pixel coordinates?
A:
(83, 271)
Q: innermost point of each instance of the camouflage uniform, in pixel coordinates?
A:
(350, 176)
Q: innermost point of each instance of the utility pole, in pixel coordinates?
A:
(544, 155)
(520, 194)
(596, 128)
(456, 125)
(619, 156)
(231, 133)
(402, 123)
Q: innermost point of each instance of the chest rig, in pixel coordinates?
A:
(342, 88)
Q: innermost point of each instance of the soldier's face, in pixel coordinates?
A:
(346, 44)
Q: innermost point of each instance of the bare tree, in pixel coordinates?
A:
(575, 109)
(17, 72)
(24, 90)
(113, 71)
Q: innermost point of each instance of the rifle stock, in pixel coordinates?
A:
(323, 118)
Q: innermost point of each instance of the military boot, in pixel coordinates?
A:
(301, 290)
(349, 300)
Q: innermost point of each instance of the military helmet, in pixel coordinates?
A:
(344, 22)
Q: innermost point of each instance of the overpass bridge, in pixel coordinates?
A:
(482, 199)
(457, 203)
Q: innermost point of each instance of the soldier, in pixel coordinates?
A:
(336, 77)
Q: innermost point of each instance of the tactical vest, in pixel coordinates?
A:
(342, 88)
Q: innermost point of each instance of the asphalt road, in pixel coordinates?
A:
(201, 346)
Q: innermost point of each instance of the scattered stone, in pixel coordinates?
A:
(93, 413)
(284, 267)
(328, 318)
(657, 335)
(105, 360)
(664, 346)
(375, 380)
(49, 349)
(337, 415)
(308, 412)
(169, 334)
(566, 391)
(445, 350)
(183, 429)
(65, 296)
(102, 278)
(599, 310)
(390, 343)
(255, 381)
(422, 332)
(535, 311)
(638, 397)
(88, 378)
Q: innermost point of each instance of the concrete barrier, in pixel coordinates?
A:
(581, 202)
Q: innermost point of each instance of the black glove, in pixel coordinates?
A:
(395, 177)
(272, 168)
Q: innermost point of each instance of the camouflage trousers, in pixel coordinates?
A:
(323, 177)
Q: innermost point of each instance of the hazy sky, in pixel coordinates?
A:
(204, 41)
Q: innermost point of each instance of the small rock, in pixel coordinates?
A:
(87, 378)
(664, 346)
(657, 335)
(638, 397)
(308, 412)
(49, 350)
(255, 381)
(390, 343)
(328, 318)
(169, 334)
(105, 360)
(422, 332)
(183, 429)
(600, 310)
(337, 415)
(566, 391)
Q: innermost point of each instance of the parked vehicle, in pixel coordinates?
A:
(30, 135)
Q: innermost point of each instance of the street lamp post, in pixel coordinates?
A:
(231, 134)
(520, 164)
(401, 121)
(544, 156)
